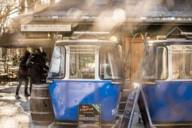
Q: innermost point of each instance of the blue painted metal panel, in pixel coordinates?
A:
(66, 95)
(169, 101)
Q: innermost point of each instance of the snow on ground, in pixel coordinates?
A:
(13, 113)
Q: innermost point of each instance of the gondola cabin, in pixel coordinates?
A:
(166, 97)
(85, 72)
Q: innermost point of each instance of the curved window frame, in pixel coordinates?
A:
(182, 70)
(156, 74)
(63, 64)
(119, 68)
(68, 59)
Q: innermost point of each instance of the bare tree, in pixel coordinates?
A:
(7, 8)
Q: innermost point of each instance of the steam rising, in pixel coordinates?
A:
(108, 19)
(74, 13)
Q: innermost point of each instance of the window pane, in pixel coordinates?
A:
(161, 67)
(177, 59)
(82, 63)
(182, 62)
(115, 62)
(155, 63)
(105, 69)
(57, 67)
(110, 63)
(149, 63)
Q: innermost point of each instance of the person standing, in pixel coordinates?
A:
(22, 74)
(37, 67)
(43, 65)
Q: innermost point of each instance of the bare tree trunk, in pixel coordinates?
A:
(21, 6)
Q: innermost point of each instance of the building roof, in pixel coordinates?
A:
(136, 10)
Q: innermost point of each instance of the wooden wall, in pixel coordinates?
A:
(133, 54)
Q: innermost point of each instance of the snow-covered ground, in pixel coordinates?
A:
(14, 113)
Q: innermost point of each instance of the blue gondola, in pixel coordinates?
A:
(83, 72)
(166, 97)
